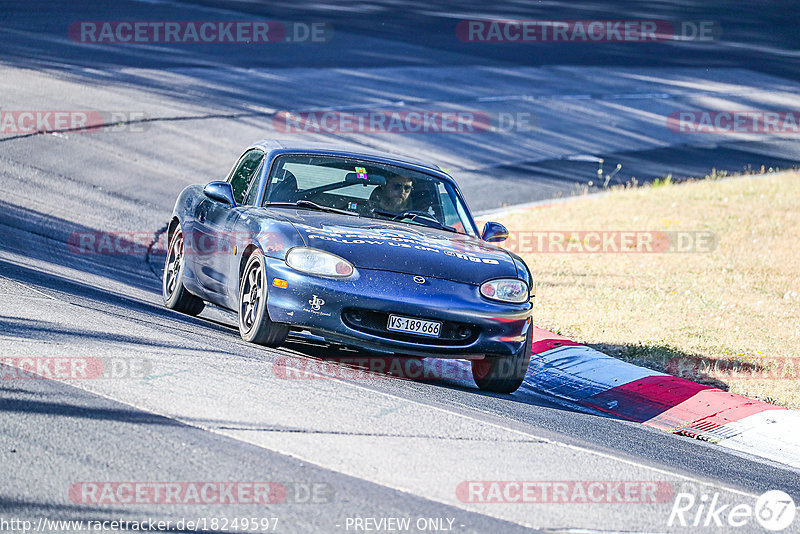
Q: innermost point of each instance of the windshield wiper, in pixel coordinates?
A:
(424, 221)
(310, 205)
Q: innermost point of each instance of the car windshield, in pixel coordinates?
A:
(367, 189)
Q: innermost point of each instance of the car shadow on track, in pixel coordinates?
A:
(118, 257)
(82, 292)
(71, 410)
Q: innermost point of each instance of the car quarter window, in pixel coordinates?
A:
(252, 190)
(243, 177)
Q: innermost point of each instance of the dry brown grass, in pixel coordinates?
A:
(738, 306)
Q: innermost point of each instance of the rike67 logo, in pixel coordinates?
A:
(774, 510)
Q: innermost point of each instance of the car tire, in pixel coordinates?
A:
(504, 374)
(176, 296)
(255, 325)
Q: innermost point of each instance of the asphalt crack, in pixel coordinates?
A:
(148, 255)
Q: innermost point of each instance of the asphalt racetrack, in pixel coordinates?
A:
(192, 404)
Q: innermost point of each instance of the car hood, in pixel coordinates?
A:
(399, 247)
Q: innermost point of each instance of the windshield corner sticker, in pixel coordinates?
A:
(362, 173)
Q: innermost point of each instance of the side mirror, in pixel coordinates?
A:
(494, 232)
(221, 192)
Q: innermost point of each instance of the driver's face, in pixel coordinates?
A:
(398, 190)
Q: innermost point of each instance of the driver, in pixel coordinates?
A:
(393, 196)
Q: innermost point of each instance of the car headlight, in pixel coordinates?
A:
(506, 290)
(319, 262)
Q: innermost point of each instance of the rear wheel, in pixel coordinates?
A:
(176, 296)
(503, 374)
(255, 325)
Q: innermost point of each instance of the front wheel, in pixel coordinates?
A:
(176, 296)
(255, 325)
(504, 374)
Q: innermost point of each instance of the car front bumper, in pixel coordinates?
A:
(353, 312)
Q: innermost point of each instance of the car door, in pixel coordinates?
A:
(214, 223)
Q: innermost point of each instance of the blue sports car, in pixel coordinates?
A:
(369, 250)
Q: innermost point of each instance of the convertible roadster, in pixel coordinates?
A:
(369, 250)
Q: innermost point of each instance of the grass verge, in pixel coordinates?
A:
(727, 313)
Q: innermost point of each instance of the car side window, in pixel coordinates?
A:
(244, 175)
(252, 190)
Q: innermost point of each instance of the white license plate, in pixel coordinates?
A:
(399, 323)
